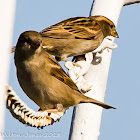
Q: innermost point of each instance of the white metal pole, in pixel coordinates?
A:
(128, 2)
(7, 9)
(87, 117)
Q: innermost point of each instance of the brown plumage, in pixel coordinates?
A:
(76, 36)
(42, 78)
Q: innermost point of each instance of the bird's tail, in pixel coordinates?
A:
(27, 116)
(90, 100)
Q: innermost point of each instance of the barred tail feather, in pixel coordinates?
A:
(27, 116)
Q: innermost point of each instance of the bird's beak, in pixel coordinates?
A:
(114, 33)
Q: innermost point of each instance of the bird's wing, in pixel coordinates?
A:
(60, 74)
(78, 27)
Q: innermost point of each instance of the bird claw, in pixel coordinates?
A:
(70, 65)
(49, 110)
(76, 64)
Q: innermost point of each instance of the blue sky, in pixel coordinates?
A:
(123, 88)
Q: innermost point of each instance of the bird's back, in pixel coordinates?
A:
(72, 37)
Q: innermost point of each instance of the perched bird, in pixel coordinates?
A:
(76, 36)
(42, 78)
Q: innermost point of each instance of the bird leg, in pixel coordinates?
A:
(66, 60)
(74, 64)
(50, 110)
(58, 108)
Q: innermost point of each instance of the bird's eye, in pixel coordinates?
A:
(111, 26)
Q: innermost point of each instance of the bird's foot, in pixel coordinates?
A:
(76, 64)
(50, 110)
(70, 64)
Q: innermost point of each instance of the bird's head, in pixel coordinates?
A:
(28, 44)
(30, 39)
(107, 26)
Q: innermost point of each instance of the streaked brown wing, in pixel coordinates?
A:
(59, 73)
(57, 34)
(85, 28)
(78, 27)
(57, 31)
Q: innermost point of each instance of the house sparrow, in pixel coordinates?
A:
(42, 78)
(76, 36)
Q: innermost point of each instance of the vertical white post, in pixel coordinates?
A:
(7, 9)
(87, 117)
